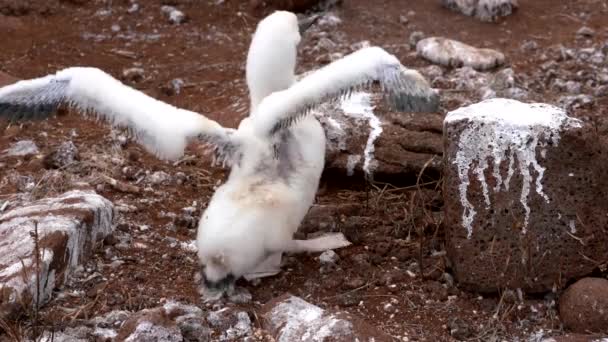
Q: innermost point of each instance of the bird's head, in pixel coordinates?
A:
(220, 270)
(271, 60)
(216, 276)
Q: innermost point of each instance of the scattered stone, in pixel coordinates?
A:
(354, 283)
(328, 257)
(507, 164)
(220, 318)
(452, 53)
(61, 157)
(585, 32)
(194, 329)
(571, 102)
(327, 21)
(68, 227)
(186, 221)
(150, 325)
(241, 329)
(171, 322)
(571, 87)
(503, 79)
(121, 186)
(159, 177)
(113, 319)
(289, 318)
(174, 87)
(133, 74)
(484, 10)
(133, 9)
(240, 295)
(4, 205)
(529, 46)
(21, 148)
(77, 334)
(601, 91)
(233, 324)
(415, 37)
(583, 307)
(174, 15)
(509, 296)
(389, 307)
(432, 72)
(460, 329)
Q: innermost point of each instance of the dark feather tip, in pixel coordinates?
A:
(19, 112)
(415, 104)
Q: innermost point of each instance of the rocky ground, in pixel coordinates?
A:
(394, 279)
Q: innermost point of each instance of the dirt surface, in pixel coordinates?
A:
(394, 230)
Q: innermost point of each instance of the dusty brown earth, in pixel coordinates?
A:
(394, 229)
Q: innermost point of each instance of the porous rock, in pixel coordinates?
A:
(452, 53)
(484, 10)
(68, 226)
(523, 207)
(583, 307)
(290, 318)
(363, 139)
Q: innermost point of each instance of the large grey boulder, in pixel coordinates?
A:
(37, 258)
(525, 196)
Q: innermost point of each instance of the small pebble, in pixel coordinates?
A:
(328, 257)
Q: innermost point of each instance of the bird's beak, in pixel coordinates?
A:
(215, 290)
(306, 23)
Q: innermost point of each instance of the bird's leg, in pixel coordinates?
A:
(269, 267)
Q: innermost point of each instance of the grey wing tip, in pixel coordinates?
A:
(415, 103)
(26, 112)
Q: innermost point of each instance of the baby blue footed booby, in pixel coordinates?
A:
(275, 156)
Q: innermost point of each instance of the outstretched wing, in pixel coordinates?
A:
(161, 128)
(405, 89)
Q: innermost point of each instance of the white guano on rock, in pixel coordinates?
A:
(504, 129)
(359, 107)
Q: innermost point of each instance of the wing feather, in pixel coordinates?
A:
(161, 128)
(405, 89)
